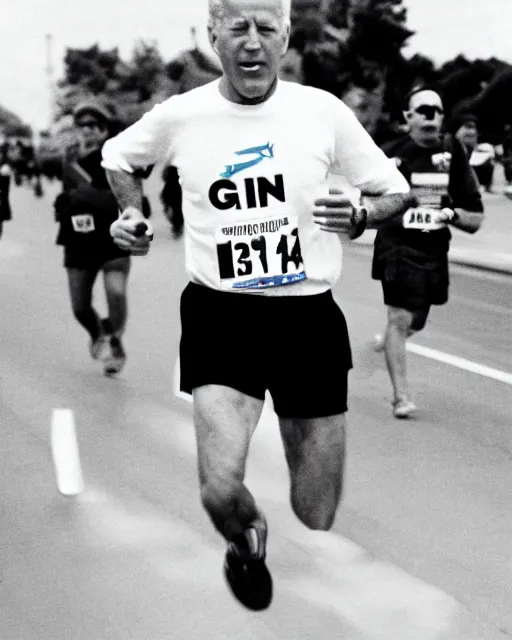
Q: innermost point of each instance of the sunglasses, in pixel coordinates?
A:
(90, 124)
(429, 111)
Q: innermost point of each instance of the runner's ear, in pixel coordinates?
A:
(286, 40)
(212, 37)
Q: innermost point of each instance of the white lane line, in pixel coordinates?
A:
(460, 363)
(66, 457)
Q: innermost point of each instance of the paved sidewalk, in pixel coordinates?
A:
(491, 247)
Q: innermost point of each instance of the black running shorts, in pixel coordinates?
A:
(296, 347)
(92, 259)
(415, 287)
(411, 281)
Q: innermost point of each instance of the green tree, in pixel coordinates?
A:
(350, 48)
(11, 125)
(91, 69)
(192, 68)
(146, 70)
(129, 86)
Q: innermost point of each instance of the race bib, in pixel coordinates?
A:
(429, 189)
(83, 223)
(259, 254)
(422, 219)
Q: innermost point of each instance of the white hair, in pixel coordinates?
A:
(217, 8)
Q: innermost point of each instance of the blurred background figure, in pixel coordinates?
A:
(366, 102)
(84, 210)
(190, 69)
(24, 165)
(507, 159)
(171, 199)
(292, 67)
(481, 154)
(5, 183)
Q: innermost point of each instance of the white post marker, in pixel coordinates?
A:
(66, 458)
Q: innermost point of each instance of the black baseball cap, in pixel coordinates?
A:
(96, 108)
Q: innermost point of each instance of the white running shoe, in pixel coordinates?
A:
(403, 408)
(100, 348)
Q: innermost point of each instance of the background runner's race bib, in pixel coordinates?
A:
(421, 219)
(259, 253)
(429, 188)
(83, 223)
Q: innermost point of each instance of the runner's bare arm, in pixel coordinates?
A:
(467, 221)
(131, 231)
(335, 213)
(127, 189)
(129, 157)
(381, 209)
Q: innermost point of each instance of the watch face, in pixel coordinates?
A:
(358, 220)
(359, 214)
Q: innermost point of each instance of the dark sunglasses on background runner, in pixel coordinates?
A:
(90, 124)
(429, 111)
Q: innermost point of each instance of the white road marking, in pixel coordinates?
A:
(460, 363)
(66, 457)
(176, 384)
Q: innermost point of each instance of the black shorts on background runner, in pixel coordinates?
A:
(91, 260)
(296, 347)
(411, 280)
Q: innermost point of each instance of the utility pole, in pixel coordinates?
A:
(49, 75)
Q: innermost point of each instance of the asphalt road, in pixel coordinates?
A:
(421, 546)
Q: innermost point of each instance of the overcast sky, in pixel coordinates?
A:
(478, 28)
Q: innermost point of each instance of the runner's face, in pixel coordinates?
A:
(425, 116)
(93, 132)
(468, 134)
(250, 40)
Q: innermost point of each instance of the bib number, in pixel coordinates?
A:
(422, 219)
(259, 254)
(83, 223)
(429, 189)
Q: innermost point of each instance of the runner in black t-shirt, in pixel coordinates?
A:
(85, 210)
(171, 198)
(411, 254)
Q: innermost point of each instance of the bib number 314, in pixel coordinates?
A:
(259, 253)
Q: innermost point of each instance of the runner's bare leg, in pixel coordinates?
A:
(397, 332)
(225, 420)
(315, 452)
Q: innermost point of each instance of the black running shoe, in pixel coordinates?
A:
(106, 326)
(116, 361)
(248, 577)
(177, 230)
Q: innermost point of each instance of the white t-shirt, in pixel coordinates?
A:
(250, 175)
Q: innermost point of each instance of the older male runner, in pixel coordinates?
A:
(253, 155)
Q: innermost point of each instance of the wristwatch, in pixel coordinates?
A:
(358, 221)
(454, 218)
